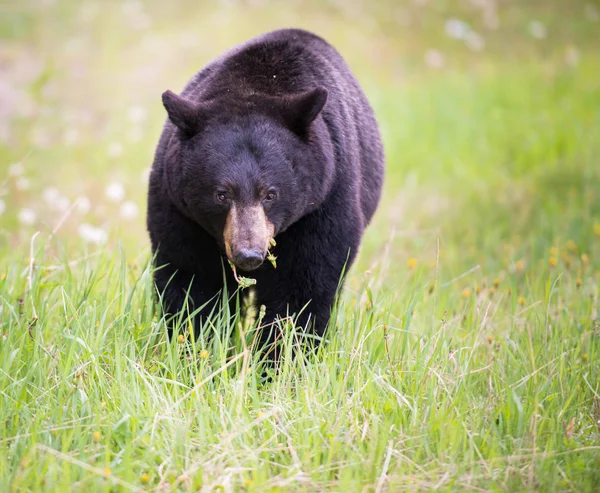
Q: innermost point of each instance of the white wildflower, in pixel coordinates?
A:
(22, 183)
(115, 149)
(2, 207)
(16, 169)
(145, 174)
(457, 29)
(55, 200)
(434, 58)
(537, 29)
(136, 17)
(62, 203)
(572, 55)
(91, 234)
(137, 114)
(129, 210)
(27, 216)
(115, 192)
(50, 195)
(83, 205)
(474, 41)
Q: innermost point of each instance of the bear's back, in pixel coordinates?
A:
(276, 63)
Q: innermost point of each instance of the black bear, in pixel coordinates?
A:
(273, 140)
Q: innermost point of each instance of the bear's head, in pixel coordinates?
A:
(246, 169)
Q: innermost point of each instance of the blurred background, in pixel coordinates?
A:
(489, 111)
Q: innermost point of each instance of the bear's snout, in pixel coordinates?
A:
(247, 235)
(248, 259)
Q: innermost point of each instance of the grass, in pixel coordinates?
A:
(464, 354)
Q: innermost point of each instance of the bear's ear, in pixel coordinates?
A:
(184, 114)
(300, 110)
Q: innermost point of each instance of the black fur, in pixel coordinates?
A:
(284, 112)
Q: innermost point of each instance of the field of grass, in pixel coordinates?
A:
(465, 351)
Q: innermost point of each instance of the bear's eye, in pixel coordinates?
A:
(221, 196)
(272, 195)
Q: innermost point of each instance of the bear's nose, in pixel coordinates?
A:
(248, 259)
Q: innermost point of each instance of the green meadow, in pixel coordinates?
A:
(464, 353)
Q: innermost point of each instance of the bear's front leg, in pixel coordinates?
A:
(312, 263)
(310, 317)
(184, 290)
